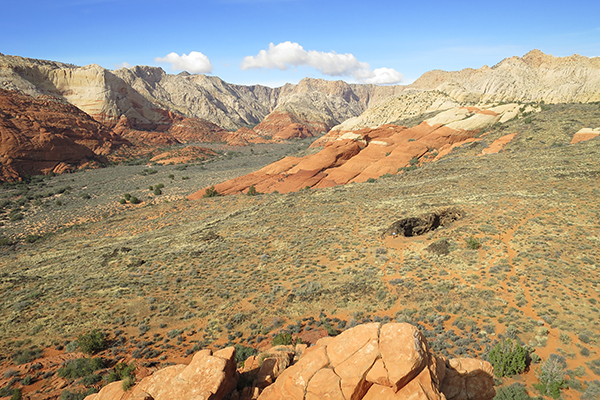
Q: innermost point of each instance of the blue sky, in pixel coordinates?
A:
(272, 42)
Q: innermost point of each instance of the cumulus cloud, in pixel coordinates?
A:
(195, 62)
(288, 54)
(124, 64)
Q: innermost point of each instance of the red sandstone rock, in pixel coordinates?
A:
(43, 135)
(283, 126)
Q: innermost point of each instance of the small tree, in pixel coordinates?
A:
(508, 358)
(211, 192)
(252, 191)
(551, 376)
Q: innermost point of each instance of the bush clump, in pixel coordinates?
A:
(80, 368)
(211, 192)
(92, 342)
(282, 339)
(508, 358)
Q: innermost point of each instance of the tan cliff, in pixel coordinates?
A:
(534, 78)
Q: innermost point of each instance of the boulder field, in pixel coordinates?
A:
(369, 153)
(369, 361)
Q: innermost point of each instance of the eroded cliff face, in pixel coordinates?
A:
(42, 135)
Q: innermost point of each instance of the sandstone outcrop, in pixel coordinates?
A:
(585, 134)
(42, 135)
(370, 153)
(374, 361)
(369, 361)
(207, 377)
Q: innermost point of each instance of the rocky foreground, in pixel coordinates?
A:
(370, 361)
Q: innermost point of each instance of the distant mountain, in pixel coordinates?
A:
(143, 95)
(536, 77)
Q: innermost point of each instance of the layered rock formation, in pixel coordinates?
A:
(144, 95)
(370, 153)
(370, 361)
(43, 135)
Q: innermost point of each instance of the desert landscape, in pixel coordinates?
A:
(153, 222)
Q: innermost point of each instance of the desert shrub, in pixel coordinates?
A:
(516, 391)
(211, 192)
(473, 243)
(127, 196)
(16, 395)
(243, 352)
(508, 358)
(282, 339)
(157, 192)
(551, 376)
(17, 216)
(121, 372)
(134, 200)
(371, 180)
(413, 161)
(122, 201)
(4, 241)
(80, 367)
(32, 238)
(23, 356)
(77, 395)
(252, 191)
(72, 346)
(92, 342)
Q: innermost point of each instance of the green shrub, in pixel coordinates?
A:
(242, 352)
(127, 196)
(134, 200)
(92, 342)
(473, 243)
(282, 339)
(68, 395)
(16, 395)
(122, 201)
(211, 192)
(157, 192)
(15, 217)
(371, 180)
(516, 391)
(122, 372)
(508, 358)
(32, 238)
(80, 367)
(23, 356)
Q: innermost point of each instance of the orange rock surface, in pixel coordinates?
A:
(374, 361)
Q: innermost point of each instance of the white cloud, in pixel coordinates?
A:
(124, 64)
(287, 55)
(195, 62)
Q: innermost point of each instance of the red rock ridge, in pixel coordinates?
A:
(43, 135)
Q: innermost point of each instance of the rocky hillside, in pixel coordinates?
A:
(42, 135)
(534, 78)
(142, 94)
(367, 154)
